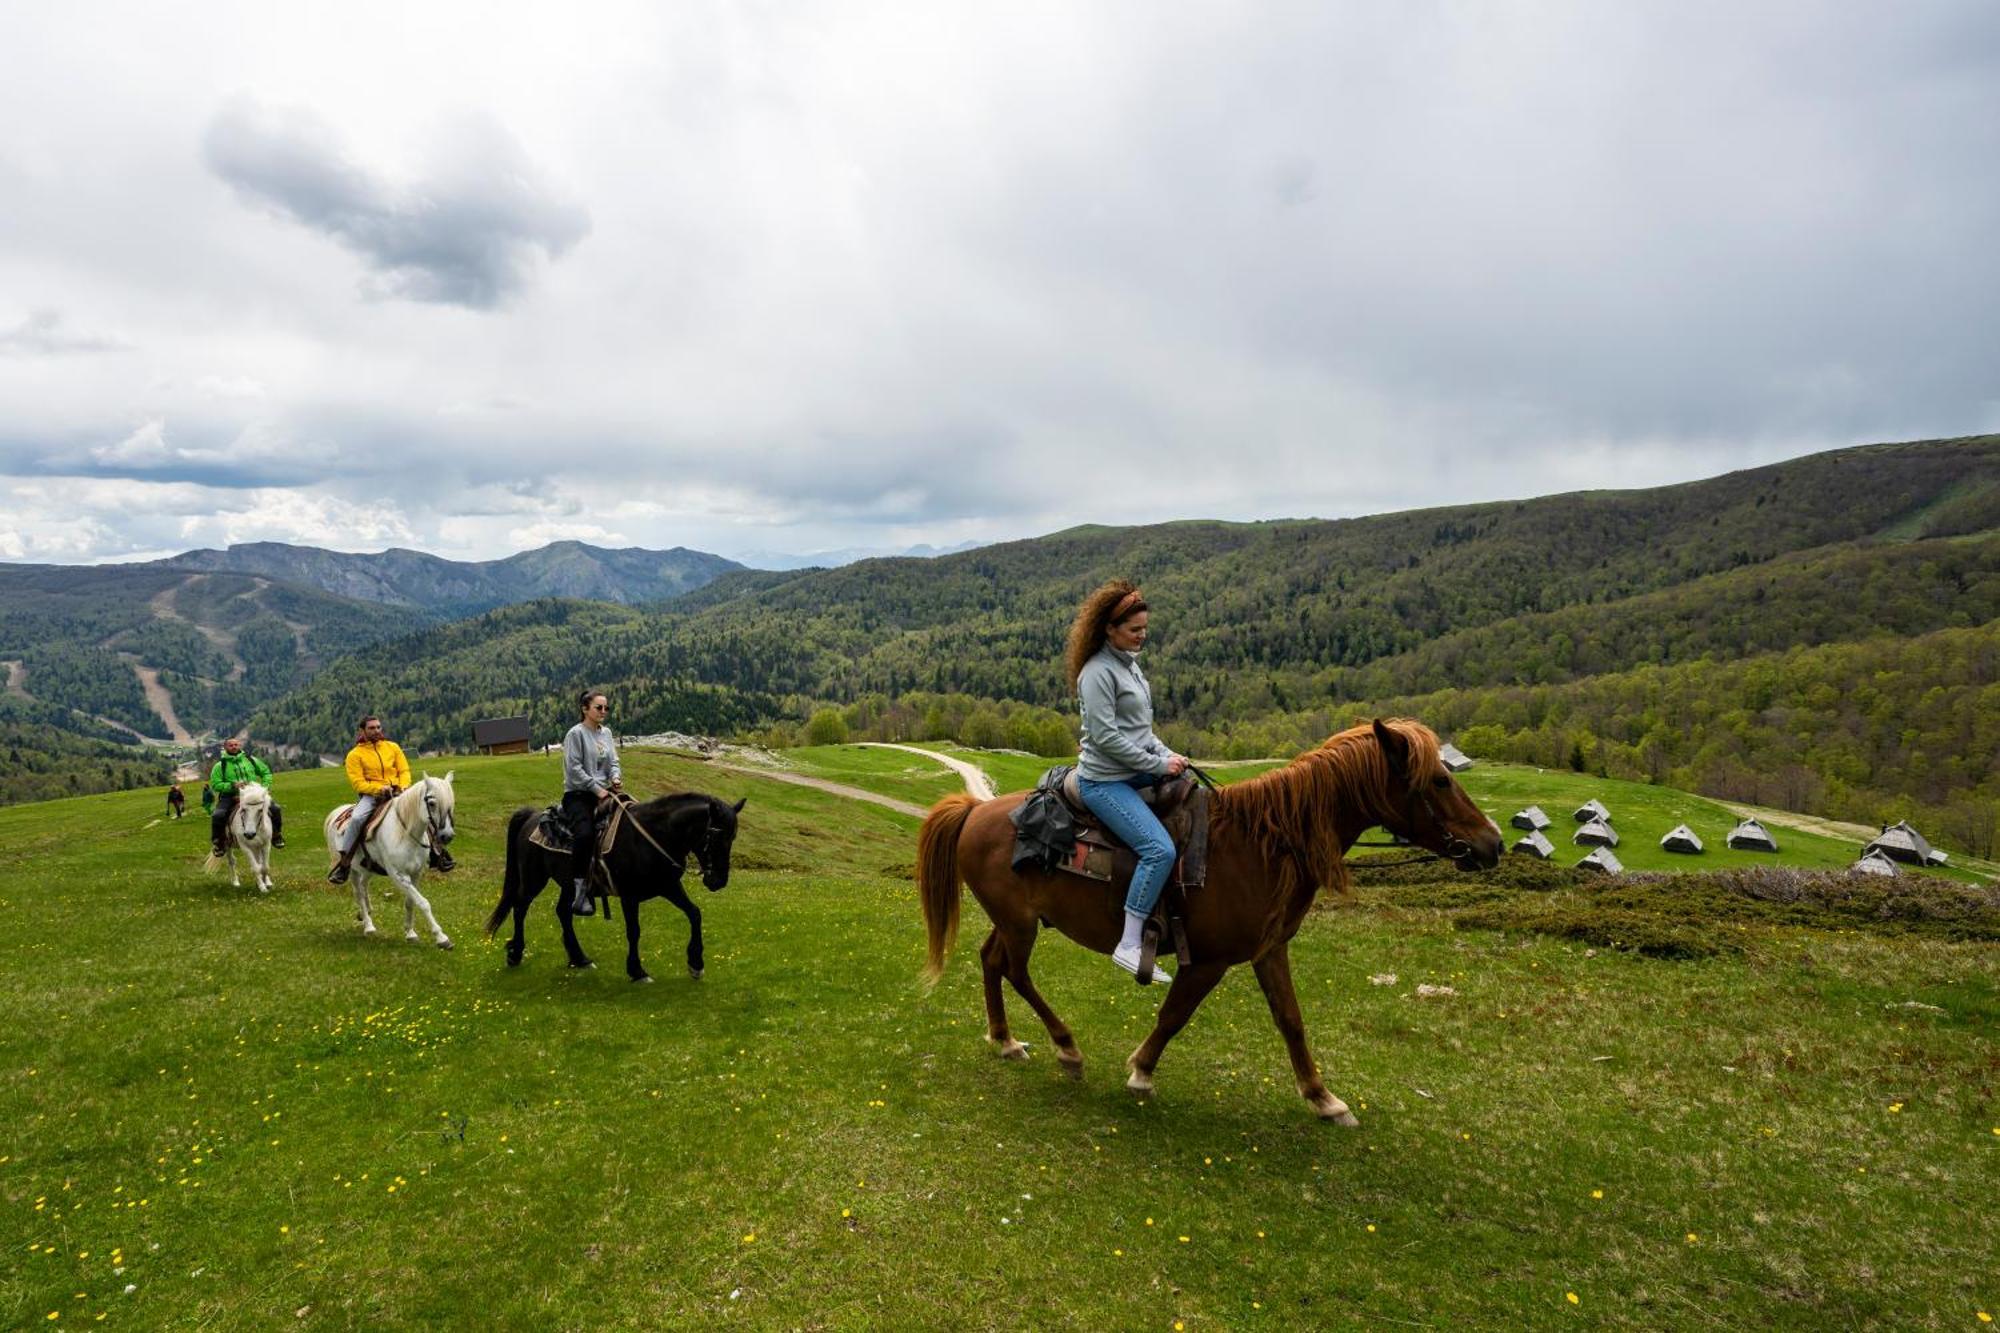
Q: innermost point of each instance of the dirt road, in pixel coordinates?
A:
(976, 781)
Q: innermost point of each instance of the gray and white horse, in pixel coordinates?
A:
(418, 820)
(249, 828)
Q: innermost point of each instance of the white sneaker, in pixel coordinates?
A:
(1129, 960)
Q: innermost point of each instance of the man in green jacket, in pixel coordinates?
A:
(231, 771)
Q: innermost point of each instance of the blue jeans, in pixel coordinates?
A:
(1126, 814)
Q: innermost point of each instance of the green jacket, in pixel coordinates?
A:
(232, 771)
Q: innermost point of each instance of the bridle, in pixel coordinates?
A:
(432, 828)
(709, 829)
(1455, 847)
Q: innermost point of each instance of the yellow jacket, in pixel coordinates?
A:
(374, 765)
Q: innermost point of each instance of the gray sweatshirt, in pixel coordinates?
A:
(1117, 707)
(590, 759)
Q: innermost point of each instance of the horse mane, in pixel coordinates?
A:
(655, 812)
(1284, 814)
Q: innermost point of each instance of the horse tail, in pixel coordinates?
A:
(510, 883)
(937, 878)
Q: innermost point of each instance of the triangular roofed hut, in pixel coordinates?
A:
(1900, 842)
(1455, 759)
(1596, 833)
(1602, 859)
(1874, 862)
(1531, 819)
(1750, 836)
(1535, 845)
(1592, 809)
(1681, 838)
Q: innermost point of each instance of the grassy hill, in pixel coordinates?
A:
(1641, 634)
(254, 1117)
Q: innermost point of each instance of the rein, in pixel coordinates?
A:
(630, 807)
(1455, 847)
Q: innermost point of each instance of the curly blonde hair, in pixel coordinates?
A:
(1093, 618)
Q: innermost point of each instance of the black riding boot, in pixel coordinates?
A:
(580, 903)
(277, 825)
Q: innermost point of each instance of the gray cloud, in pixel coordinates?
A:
(473, 233)
(42, 334)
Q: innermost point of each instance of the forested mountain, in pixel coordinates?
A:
(1267, 635)
(122, 651)
(452, 588)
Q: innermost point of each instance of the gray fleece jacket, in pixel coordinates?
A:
(589, 759)
(1117, 708)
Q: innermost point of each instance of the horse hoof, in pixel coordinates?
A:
(1071, 1065)
(444, 944)
(1012, 1049)
(585, 966)
(645, 980)
(694, 973)
(513, 960)
(368, 932)
(1139, 1085)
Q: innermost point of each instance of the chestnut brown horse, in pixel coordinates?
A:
(1274, 841)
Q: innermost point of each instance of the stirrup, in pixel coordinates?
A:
(1139, 962)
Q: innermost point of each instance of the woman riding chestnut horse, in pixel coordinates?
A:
(1274, 842)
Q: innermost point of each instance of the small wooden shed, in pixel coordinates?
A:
(1455, 759)
(1900, 842)
(1531, 819)
(1592, 809)
(1875, 862)
(1602, 860)
(1535, 845)
(501, 735)
(1751, 836)
(1596, 833)
(1681, 838)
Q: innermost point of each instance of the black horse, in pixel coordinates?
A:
(646, 861)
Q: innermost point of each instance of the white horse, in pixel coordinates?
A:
(248, 827)
(418, 820)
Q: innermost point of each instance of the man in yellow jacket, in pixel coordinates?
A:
(377, 770)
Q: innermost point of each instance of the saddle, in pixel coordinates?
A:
(375, 817)
(1055, 831)
(551, 831)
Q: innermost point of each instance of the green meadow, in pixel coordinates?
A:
(231, 1111)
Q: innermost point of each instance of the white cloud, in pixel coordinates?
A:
(873, 269)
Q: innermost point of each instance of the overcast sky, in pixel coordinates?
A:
(760, 278)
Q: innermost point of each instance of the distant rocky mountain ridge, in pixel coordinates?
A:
(628, 575)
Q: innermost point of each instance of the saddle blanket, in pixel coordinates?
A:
(551, 832)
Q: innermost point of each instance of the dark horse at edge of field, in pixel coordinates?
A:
(1273, 841)
(645, 862)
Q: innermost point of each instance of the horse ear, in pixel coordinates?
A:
(738, 807)
(449, 774)
(1394, 748)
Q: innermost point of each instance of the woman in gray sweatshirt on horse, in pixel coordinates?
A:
(1120, 755)
(590, 775)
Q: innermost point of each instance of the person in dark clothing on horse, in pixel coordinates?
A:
(231, 771)
(591, 775)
